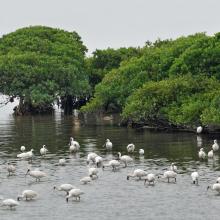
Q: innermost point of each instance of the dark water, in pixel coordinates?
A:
(111, 196)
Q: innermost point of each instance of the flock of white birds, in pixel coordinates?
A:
(95, 162)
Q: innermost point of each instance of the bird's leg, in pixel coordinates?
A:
(175, 180)
(168, 180)
(79, 198)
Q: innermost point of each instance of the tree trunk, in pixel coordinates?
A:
(68, 105)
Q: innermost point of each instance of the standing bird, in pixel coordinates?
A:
(112, 163)
(141, 151)
(74, 193)
(124, 159)
(98, 161)
(195, 177)
(173, 167)
(108, 144)
(215, 146)
(62, 162)
(37, 174)
(22, 148)
(199, 130)
(27, 195)
(74, 145)
(86, 179)
(65, 187)
(215, 186)
(93, 172)
(26, 155)
(150, 178)
(169, 175)
(202, 154)
(210, 154)
(11, 169)
(91, 157)
(10, 203)
(43, 150)
(137, 173)
(130, 148)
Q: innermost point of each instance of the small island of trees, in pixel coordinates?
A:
(166, 82)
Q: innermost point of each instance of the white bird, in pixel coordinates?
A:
(26, 155)
(169, 175)
(173, 167)
(112, 163)
(137, 173)
(215, 146)
(199, 130)
(37, 174)
(93, 172)
(98, 161)
(74, 145)
(125, 159)
(10, 203)
(130, 148)
(202, 154)
(11, 169)
(210, 154)
(218, 180)
(195, 177)
(62, 162)
(150, 178)
(108, 144)
(215, 186)
(86, 179)
(22, 148)
(43, 150)
(27, 195)
(74, 193)
(91, 157)
(65, 187)
(141, 151)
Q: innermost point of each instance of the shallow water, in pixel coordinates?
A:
(111, 196)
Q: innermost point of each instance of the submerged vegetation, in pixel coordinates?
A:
(167, 82)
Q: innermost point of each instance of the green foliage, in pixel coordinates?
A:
(104, 61)
(170, 100)
(175, 81)
(154, 64)
(39, 64)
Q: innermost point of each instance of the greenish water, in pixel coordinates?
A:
(111, 196)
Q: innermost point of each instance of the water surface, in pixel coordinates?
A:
(111, 196)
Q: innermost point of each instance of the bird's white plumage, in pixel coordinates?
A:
(74, 193)
(141, 151)
(210, 154)
(150, 178)
(74, 145)
(28, 195)
(37, 174)
(139, 173)
(108, 144)
(199, 129)
(130, 148)
(43, 150)
(202, 154)
(22, 148)
(66, 187)
(86, 179)
(215, 146)
(195, 177)
(62, 162)
(125, 159)
(173, 167)
(10, 203)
